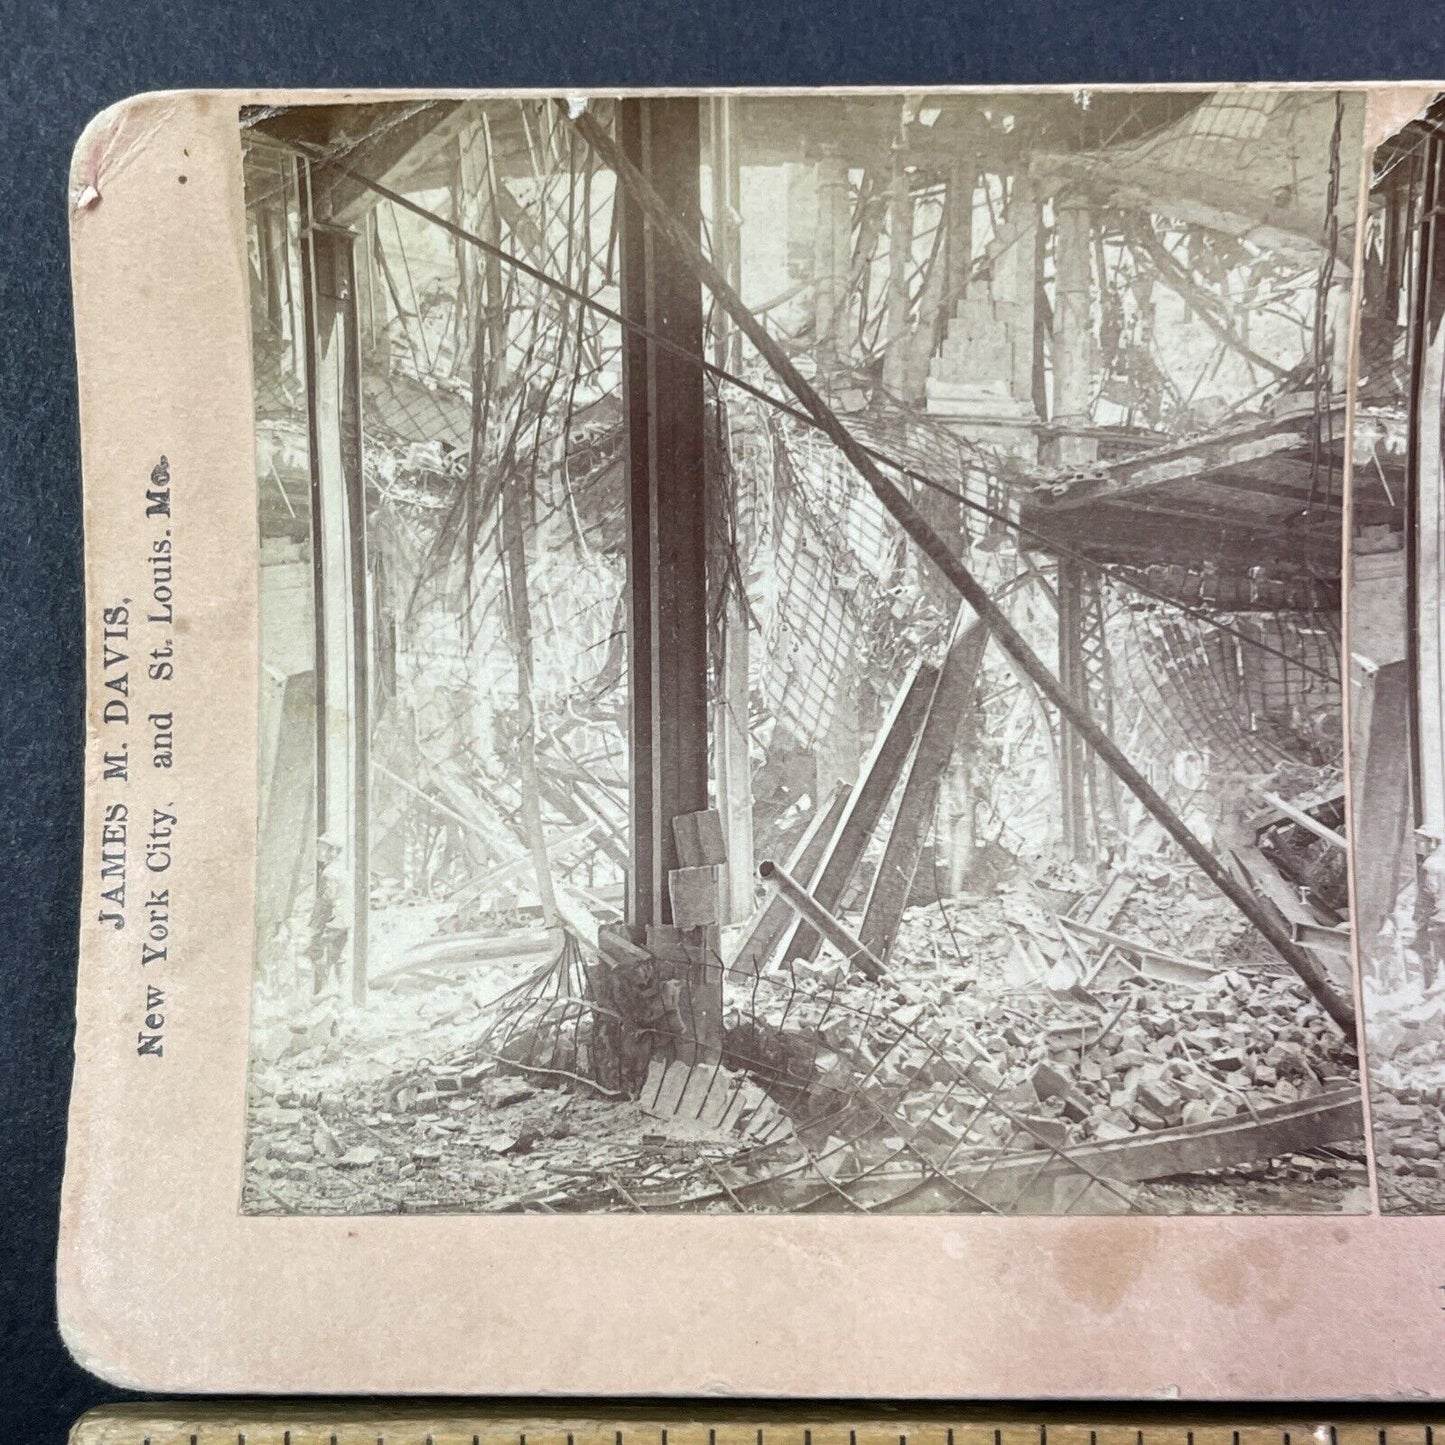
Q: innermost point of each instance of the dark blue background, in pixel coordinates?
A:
(63, 62)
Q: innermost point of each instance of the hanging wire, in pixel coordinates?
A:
(778, 403)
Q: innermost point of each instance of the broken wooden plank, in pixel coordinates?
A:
(1310, 825)
(771, 921)
(1169, 967)
(876, 783)
(819, 918)
(699, 839)
(573, 800)
(1106, 909)
(1111, 901)
(893, 882)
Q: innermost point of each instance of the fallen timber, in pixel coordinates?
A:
(783, 886)
(877, 781)
(893, 881)
(768, 925)
(1251, 441)
(1308, 967)
(1159, 963)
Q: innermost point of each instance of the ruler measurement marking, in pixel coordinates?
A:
(111, 1427)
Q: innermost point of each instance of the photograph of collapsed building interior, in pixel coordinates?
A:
(1397, 683)
(800, 653)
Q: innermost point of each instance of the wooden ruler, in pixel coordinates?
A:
(699, 1424)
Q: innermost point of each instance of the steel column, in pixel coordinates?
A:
(667, 512)
(341, 593)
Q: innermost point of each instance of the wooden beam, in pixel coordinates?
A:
(893, 882)
(1112, 534)
(866, 803)
(1173, 968)
(1073, 1180)
(1282, 475)
(1239, 447)
(1310, 825)
(1070, 1180)
(1382, 814)
(1039, 1182)
(783, 886)
(384, 155)
(770, 922)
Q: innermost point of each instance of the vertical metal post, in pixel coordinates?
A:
(341, 591)
(732, 754)
(667, 511)
(832, 258)
(1427, 306)
(1073, 760)
(900, 266)
(1073, 332)
(1424, 571)
(726, 210)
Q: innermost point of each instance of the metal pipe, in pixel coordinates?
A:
(780, 882)
(1308, 968)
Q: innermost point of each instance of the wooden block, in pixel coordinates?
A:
(699, 839)
(694, 894)
(669, 943)
(715, 1097)
(615, 943)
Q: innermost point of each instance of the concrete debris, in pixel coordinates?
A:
(950, 1061)
(1406, 1038)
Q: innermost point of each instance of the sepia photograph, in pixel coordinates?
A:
(1397, 685)
(801, 654)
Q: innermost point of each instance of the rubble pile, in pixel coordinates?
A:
(1406, 1038)
(989, 1067)
(997, 1032)
(436, 1134)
